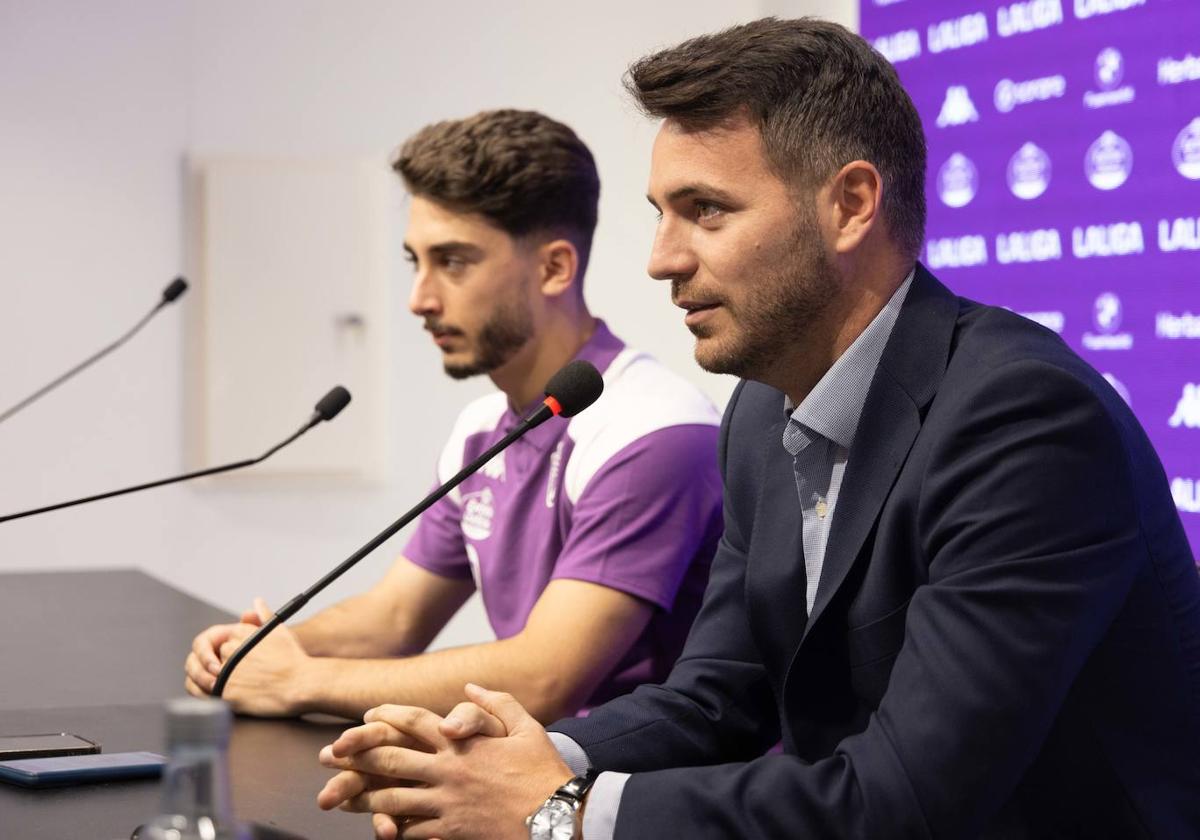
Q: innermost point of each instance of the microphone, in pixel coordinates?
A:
(576, 386)
(171, 293)
(326, 409)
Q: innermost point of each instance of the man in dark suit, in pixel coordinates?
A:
(952, 582)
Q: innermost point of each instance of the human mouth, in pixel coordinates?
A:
(697, 311)
(444, 337)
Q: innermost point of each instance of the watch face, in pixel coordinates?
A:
(553, 821)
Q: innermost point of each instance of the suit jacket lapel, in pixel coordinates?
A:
(775, 578)
(909, 372)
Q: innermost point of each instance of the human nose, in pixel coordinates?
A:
(424, 300)
(671, 256)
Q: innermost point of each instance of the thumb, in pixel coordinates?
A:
(504, 706)
(250, 617)
(265, 613)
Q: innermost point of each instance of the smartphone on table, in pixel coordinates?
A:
(44, 745)
(61, 770)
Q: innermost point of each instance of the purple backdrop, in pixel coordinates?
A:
(1064, 183)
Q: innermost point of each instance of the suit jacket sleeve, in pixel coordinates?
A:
(1029, 526)
(717, 702)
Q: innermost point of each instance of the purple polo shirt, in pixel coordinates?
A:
(626, 494)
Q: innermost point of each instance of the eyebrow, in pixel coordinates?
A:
(694, 189)
(451, 247)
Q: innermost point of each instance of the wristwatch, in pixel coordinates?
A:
(557, 819)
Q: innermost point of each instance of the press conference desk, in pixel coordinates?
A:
(96, 653)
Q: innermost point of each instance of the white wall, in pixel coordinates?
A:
(99, 106)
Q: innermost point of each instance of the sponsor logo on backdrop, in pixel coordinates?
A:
(958, 33)
(1172, 327)
(1029, 172)
(1051, 320)
(1179, 235)
(957, 181)
(1095, 8)
(1186, 151)
(1119, 239)
(1187, 412)
(1119, 387)
(1030, 16)
(1186, 492)
(1028, 246)
(1110, 72)
(956, 252)
(899, 46)
(1009, 94)
(1107, 316)
(1176, 71)
(1108, 161)
(958, 109)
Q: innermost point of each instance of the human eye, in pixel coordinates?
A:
(453, 263)
(707, 211)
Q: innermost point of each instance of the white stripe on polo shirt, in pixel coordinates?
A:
(480, 415)
(640, 396)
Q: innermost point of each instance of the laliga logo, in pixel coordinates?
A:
(1187, 412)
(1186, 151)
(1029, 172)
(957, 181)
(1108, 161)
(958, 109)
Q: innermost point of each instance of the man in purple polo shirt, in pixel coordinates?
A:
(589, 540)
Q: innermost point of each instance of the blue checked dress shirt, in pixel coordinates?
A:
(818, 438)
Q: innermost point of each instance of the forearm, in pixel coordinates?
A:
(361, 626)
(435, 681)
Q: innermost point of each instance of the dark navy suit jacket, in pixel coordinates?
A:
(1006, 635)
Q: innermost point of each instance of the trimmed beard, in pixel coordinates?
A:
(501, 337)
(779, 305)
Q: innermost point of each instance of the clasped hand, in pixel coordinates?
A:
(265, 683)
(477, 773)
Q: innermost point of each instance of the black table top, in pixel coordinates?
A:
(97, 653)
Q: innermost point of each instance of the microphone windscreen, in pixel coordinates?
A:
(333, 402)
(576, 386)
(174, 289)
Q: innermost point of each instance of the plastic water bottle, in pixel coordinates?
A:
(196, 804)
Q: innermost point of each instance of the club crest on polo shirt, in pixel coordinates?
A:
(478, 511)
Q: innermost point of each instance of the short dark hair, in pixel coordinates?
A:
(523, 171)
(819, 95)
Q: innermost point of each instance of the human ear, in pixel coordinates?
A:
(559, 260)
(857, 197)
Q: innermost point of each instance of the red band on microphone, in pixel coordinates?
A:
(553, 405)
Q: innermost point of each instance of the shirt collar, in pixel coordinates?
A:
(833, 407)
(600, 350)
